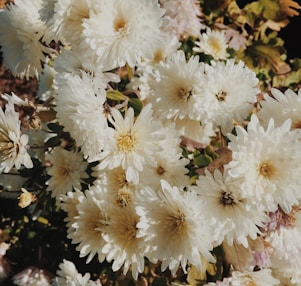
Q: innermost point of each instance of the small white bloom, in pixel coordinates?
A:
(281, 106)
(80, 109)
(228, 92)
(213, 43)
(124, 33)
(174, 216)
(21, 30)
(233, 217)
(13, 144)
(175, 90)
(67, 171)
(132, 142)
(268, 163)
(89, 225)
(68, 275)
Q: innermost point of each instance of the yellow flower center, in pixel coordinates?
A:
(266, 170)
(160, 170)
(184, 94)
(126, 142)
(119, 25)
(215, 45)
(176, 223)
(6, 146)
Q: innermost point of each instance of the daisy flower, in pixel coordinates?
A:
(13, 151)
(20, 33)
(228, 92)
(184, 18)
(67, 274)
(232, 216)
(119, 190)
(80, 109)
(281, 107)
(124, 32)
(213, 43)
(268, 169)
(89, 225)
(123, 247)
(175, 90)
(175, 216)
(132, 143)
(67, 171)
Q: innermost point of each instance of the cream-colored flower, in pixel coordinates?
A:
(13, 144)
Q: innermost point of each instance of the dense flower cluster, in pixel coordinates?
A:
(162, 142)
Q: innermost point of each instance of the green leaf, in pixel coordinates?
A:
(136, 104)
(202, 160)
(115, 95)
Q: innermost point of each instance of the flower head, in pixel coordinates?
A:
(13, 144)
(67, 171)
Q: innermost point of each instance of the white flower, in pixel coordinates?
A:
(68, 204)
(119, 190)
(124, 32)
(89, 225)
(228, 92)
(175, 90)
(183, 17)
(67, 171)
(73, 61)
(80, 109)
(132, 143)
(281, 107)
(32, 276)
(67, 275)
(174, 216)
(20, 32)
(213, 43)
(262, 277)
(232, 216)
(13, 144)
(123, 247)
(268, 162)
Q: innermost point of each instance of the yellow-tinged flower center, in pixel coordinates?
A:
(266, 170)
(177, 223)
(119, 25)
(184, 94)
(227, 199)
(215, 45)
(160, 170)
(124, 196)
(221, 95)
(126, 142)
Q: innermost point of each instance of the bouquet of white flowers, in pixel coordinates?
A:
(158, 143)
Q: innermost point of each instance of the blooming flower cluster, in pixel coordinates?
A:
(162, 143)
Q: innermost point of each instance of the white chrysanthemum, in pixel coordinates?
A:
(125, 32)
(68, 275)
(67, 171)
(175, 89)
(169, 167)
(13, 151)
(80, 109)
(213, 43)
(123, 247)
(228, 93)
(132, 143)
(262, 277)
(72, 61)
(268, 162)
(174, 216)
(32, 276)
(119, 190)
(232, 216)
(281, 107)
(20, 32)
(89, 225)
(184, 17)
(68, 204)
